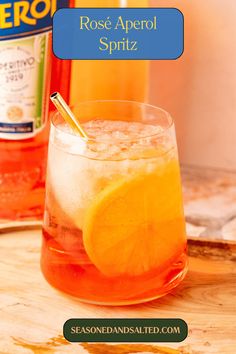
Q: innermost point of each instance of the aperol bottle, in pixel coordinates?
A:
(25, 77)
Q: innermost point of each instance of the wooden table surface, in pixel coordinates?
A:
(32, 313)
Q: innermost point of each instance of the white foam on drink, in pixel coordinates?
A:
(78, 171)
(112, 139)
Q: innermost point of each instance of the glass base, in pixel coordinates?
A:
(88, 285)
(165, 291)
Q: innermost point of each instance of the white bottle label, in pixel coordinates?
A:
(23, 69)
(25, 40)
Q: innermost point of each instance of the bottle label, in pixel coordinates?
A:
(25, 41)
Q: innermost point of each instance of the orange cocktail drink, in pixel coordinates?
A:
(114, 230)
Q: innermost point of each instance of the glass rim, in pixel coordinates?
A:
(168, 117)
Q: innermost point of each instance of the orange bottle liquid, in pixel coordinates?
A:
(109, 79)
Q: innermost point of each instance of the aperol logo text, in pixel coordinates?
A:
(25, 12)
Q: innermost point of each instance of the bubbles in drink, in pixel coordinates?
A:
(117, 149)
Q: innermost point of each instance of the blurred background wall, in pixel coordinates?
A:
(199, 89)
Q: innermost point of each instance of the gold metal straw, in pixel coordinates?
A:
(67, 114)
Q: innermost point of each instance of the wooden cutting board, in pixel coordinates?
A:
(32, 313)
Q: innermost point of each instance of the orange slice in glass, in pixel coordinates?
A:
(136, 225)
